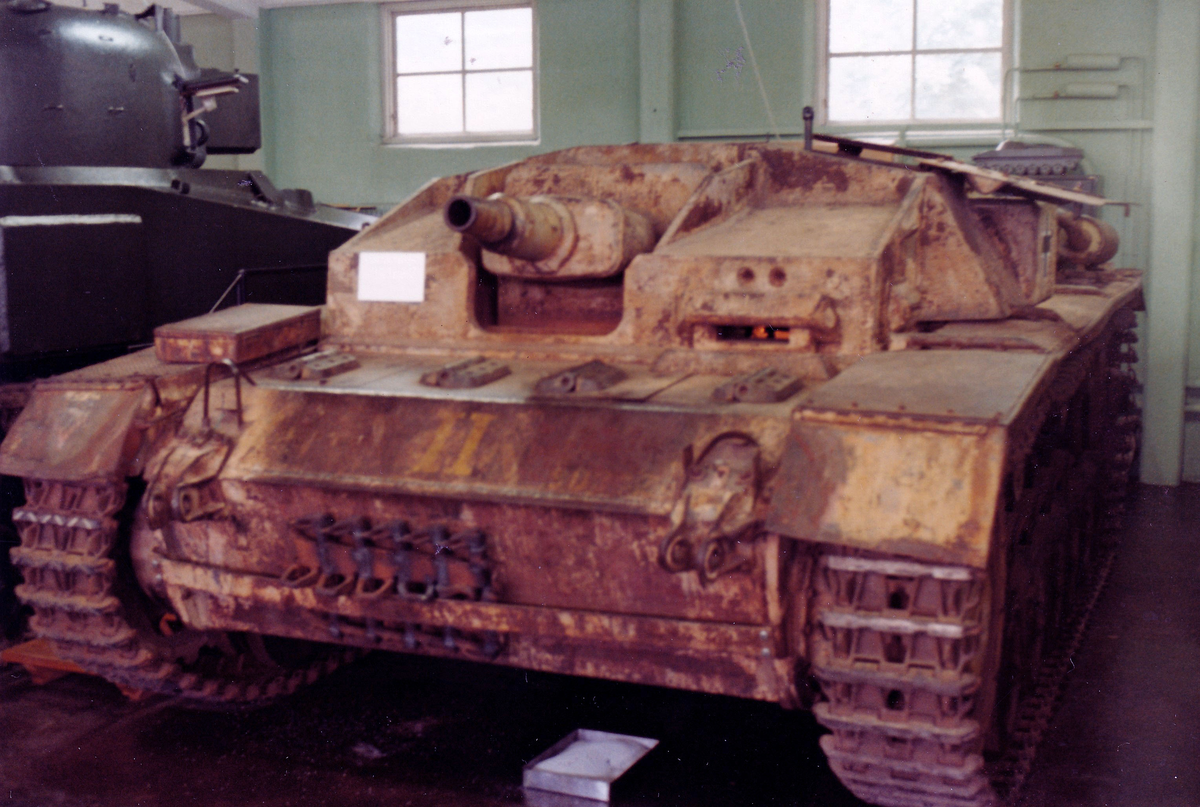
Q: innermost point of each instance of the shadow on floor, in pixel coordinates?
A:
(1128, 729)
(397, 731)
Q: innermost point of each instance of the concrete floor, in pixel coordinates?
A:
(1128, 729)
(392, 730)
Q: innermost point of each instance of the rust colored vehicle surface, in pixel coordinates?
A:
(809, 428)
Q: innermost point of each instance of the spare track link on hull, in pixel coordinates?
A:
(69, 534)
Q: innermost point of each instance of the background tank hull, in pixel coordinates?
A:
(116, 252)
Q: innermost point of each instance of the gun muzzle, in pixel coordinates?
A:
(518, 228)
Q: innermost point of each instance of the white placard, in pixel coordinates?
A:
(391, 277)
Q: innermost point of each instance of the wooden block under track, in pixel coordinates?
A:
(38, 658)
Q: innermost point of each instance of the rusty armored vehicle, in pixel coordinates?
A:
(814, 428)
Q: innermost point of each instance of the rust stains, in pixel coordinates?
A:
(812, 471)
(800, 170)
(704, 211)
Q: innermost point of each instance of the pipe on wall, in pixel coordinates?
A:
(1172, 224)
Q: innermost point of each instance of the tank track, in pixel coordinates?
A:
(897, 647)
(13, 398)
(917, 758)
(1035, 712)
(84, 603)
(1033, 717)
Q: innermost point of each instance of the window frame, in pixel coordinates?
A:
(391, 135)
(1007, 62)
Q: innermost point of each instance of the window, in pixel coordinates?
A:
(460, 72)
(903, 61)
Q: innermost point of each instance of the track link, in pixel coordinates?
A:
(68, 556)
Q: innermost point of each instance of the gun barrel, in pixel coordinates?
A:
(488, 221)
(518, 228)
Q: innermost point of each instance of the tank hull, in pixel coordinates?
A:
(902, 519)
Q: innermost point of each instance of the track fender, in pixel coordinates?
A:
(78, 432)
(904, 453)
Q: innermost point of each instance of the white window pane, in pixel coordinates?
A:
(958, 86)
(428, 43)
(499, 38)
(960, 23)
(429, 104)
(500, 102)
(870, 25)
(870, 88)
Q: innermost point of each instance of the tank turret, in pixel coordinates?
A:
(101, 88)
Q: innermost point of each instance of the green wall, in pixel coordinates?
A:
(323, 111)
(323, 114)
(614, 71)
(709, 38)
